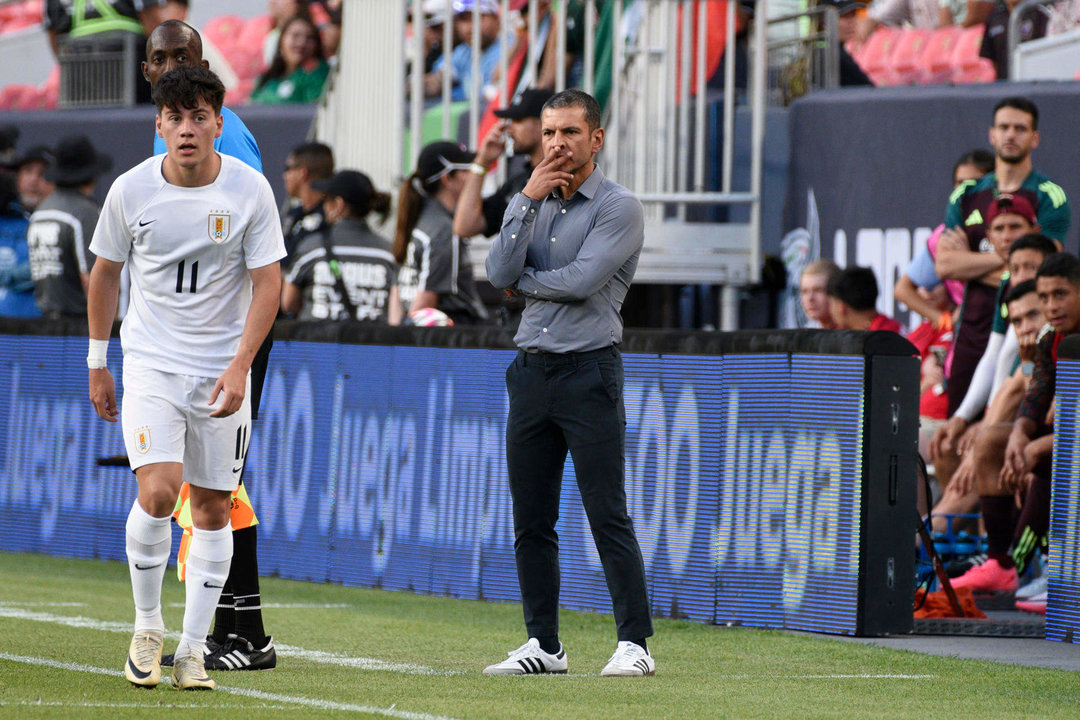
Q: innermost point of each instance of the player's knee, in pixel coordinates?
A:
(210, 508)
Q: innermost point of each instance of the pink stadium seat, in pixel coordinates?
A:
(968, 67)
(877, 52)
(936, 61)
(12, 96)
(255, 31)
(223, 30)
(903, 66)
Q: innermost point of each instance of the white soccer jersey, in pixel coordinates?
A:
(188, 251)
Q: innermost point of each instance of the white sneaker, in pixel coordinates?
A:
(1033, 588)
(529, 659)
(629, 660)
(143, 666)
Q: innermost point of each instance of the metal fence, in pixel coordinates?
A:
(98, 70)
(804, 54)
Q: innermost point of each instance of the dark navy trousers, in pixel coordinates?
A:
(571, 402)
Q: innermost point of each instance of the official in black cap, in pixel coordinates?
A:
(521, 122)
(435, 266)
(63, 225)
(30, 178)
(348, 272)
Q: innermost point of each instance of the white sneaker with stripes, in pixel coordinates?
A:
(629, 660)
(529, 659)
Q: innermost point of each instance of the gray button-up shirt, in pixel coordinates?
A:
(573, 261)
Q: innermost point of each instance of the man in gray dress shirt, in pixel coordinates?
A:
(569, 244)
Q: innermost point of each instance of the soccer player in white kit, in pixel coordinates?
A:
(201, 237)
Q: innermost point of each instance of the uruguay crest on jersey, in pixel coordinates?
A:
(218, 226)
(142, 439)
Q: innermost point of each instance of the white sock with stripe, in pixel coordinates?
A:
(209, 558)
(149, 540)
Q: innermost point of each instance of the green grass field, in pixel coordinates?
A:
(347, 652)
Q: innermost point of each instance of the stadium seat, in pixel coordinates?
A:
(877, 51)
(935, 63)
(255, 30)
(968, 67)
(18, 97)
(903, 67)
(223, 30)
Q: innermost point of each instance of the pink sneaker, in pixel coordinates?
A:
(1036, 604)
(989, 577)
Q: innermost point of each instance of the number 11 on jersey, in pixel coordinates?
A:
(193, 285)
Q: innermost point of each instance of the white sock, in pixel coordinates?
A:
(149, 540)
(209, 558)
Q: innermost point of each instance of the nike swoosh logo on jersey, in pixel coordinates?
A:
(206, 584)
(237, 469)
(144, 224)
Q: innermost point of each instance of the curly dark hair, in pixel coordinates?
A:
(185, 86)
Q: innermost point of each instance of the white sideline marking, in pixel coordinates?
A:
(42, 604)
(359, 663)
(257, 694)
(287, 606)
(56, 703)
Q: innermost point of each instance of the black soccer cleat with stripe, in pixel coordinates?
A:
(529, 659)
(239, 654)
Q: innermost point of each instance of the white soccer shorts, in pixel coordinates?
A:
(166, 418)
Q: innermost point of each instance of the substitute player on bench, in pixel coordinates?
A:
(200, 234)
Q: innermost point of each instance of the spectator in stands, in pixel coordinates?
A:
(305, 164)
(436, 270)
(280, 12)
(105, 26)
(434, 22)
(850, 72)
(965, 13)
(1027, 453)
(327, 17)
(521, 123)
(995, 44)
(460, 67)
(16, 286)
(920, 273)
(63, 225)
(853, 293)
(814, 293)
(30, 171)
(348, 272)
(155, 12)
(548, 36)
(964, 253)
(173, 44)
(298, 71)
(895, 13)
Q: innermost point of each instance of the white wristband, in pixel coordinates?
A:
(95, 356)
(477, 169)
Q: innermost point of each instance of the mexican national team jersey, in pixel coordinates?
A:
(967, 209)
(188, 251)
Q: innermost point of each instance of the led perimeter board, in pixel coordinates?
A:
(770, 475)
